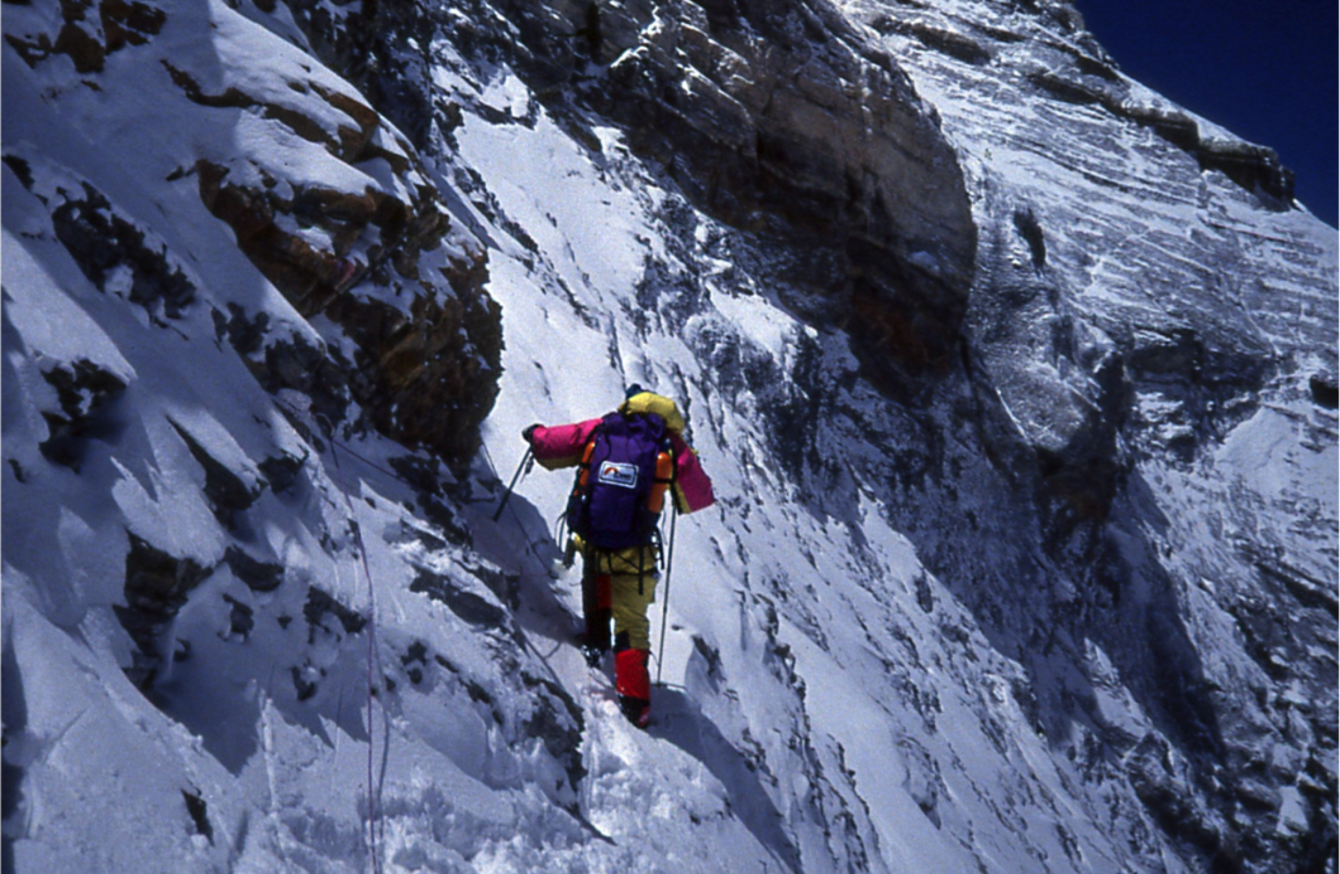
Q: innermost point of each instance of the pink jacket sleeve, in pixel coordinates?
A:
(693, 490)
(561, 445)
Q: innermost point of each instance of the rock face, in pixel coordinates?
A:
(786, 121)
(1123, 340)
(425, 375)
(89, 32)
(383, 259)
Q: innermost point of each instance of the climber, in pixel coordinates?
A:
(626, 461)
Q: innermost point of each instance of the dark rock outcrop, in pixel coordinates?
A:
(90, 31)
(259, 576)
(784, 121)
(103, 243)
(1255, 168)
(226, 492)
(87, 395)
(387, 262)
(471, 607)
(321, 607)
(157, 586)
(1325, 391)
(426, 373)
(381, 49)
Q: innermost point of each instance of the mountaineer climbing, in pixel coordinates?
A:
(626, 461)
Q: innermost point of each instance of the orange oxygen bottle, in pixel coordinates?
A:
(664, 476)
(585, 473)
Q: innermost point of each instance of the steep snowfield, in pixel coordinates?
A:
(782, 594)
(243, 631)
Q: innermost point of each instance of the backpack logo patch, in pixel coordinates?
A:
(620, 474)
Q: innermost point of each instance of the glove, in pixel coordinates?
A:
(529, 431)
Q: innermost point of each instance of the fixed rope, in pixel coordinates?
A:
(375, 824)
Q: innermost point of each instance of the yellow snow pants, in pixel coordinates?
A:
(624, 582)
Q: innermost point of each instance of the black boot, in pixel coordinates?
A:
(593, 654)
(596, 640)
(636, 710)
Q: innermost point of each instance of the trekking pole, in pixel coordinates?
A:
(665, 605)
(527, 461)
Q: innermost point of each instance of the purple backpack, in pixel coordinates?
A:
(608, 507)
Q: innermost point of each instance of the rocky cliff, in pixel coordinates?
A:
(329, 203)
(1017, 381)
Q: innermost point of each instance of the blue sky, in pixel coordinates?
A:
(1265, 69)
